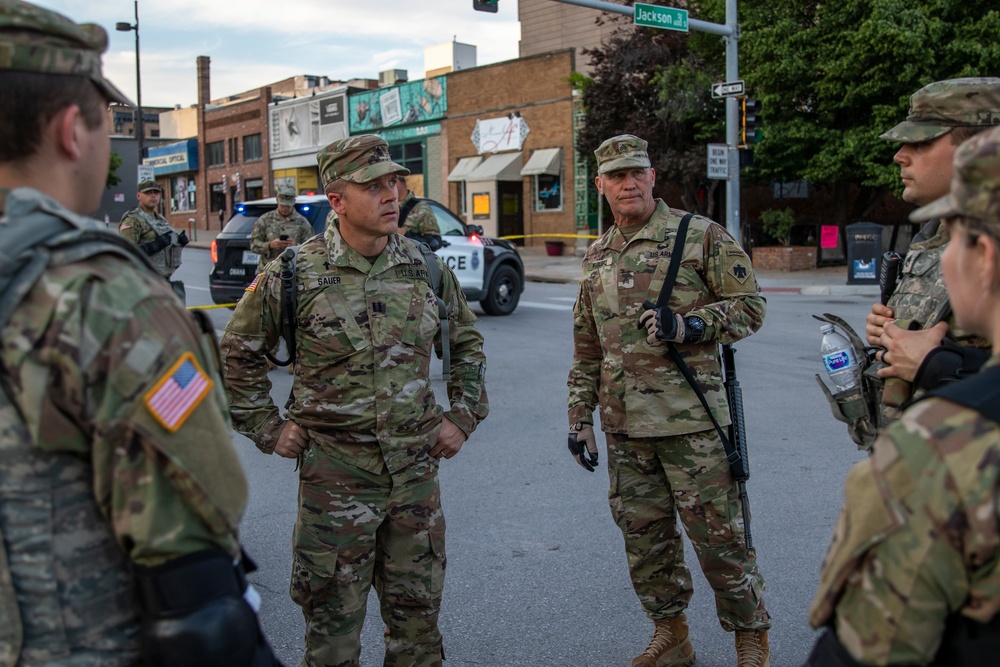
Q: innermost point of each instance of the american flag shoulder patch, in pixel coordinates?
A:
(253, 285)
(178, 392)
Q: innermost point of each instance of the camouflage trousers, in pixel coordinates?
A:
(653, 480)
(356, 529)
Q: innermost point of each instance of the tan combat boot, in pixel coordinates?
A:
(752, 649)
(670, 646)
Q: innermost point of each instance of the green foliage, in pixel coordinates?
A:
(778, 224)
(113, 164)
(832, 77)
(579, 81)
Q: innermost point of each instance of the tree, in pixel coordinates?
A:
(832, 77)
(653, 84)
(113, 164)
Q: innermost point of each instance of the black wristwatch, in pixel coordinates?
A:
(694, 329)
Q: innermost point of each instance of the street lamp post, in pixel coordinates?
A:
(126, 27)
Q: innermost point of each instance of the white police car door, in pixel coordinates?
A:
(464, 253)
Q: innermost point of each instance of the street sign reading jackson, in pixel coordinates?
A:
(654, 16)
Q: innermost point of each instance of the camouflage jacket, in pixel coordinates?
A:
(270, 226)
(917, 538)
(94, 466)
(141, 227)
(364, 339)
(420, 219)
(639, 390)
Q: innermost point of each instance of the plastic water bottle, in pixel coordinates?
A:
(838, 359)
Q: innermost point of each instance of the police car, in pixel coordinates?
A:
(489, 269)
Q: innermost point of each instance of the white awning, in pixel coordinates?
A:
(499, 167)
(465, 166)
(544, 161)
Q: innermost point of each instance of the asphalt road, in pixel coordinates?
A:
(536, 566)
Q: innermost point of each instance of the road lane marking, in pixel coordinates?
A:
(546, 306)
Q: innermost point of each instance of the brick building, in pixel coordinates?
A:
(508, 147)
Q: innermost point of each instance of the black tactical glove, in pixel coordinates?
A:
(583, 445)
(661, 323)
(182, 239)
(156, 245)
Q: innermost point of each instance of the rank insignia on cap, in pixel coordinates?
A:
(252, 287)
(175, 395)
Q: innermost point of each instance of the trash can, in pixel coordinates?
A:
(864, 253)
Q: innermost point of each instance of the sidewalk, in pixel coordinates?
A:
(540, 267)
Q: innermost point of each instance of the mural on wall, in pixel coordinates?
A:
(412, 102)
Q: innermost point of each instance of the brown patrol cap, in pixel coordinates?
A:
(975, 187)
(33, 39)
(622, 152)
(357, 159)
(147, 186)
(940, 107)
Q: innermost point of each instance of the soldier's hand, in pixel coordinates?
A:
(875, 323)
(583, 445)
(905, 350)
(450, 439)
(279, 244)
(182, 238)
(661, 323)
(293, 441)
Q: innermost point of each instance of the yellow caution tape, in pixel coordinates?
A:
(220, 305)
(549, 236)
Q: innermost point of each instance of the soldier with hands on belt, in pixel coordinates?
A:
(912, 576)
(281, 228)
(924, 346)
(120, 491)
(363, 423)
(148, 229)
(664, 456)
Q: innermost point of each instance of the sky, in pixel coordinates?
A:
(256, 42)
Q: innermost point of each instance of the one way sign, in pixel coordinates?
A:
(728, 89)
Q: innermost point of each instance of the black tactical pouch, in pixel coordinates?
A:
(858, 407)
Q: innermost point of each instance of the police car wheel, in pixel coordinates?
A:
(503, 293)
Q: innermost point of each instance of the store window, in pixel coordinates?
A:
(460, 204)
(215, 154)
(252, 148)
(410, 156)
(548, 192)
(182, 194)
(255, 188)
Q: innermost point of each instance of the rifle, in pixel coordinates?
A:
(735, 444)
(739, 459)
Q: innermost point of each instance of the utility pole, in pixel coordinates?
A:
(139, 130)
(730, 32)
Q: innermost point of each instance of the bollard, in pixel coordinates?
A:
(193, 228)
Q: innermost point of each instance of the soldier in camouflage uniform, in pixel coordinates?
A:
(924, 345)
(665, 458)
(364, 423)
(912, 576)
(145, 227)
(266, 239)
(115, 504)
(419, 223)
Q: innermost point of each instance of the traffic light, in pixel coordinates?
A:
(485, 5)
(751, 132)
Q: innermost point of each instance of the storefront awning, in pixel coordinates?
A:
(544, 161)
(465, 166)
(499, 167)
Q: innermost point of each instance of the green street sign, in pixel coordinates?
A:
(654, 16)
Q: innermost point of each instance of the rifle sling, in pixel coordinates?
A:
(668, 287)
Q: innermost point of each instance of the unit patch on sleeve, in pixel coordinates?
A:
(178, 392)
(739, 271)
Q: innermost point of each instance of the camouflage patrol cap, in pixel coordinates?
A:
(621, 152)
(940, 107)
(147, 186)
(975, 187)
(33, 39)
(286, 195)
(357, 159)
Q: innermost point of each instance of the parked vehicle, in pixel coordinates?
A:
(489, 269)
